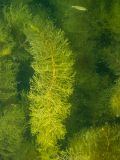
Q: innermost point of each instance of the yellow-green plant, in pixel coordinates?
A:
(51, 85)
(115, 99)
(101, 143)
(52, 81)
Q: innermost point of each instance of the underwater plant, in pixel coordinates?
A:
(43, 104)
(7, 79)
(12, 123)
(102, 143)
(51, 84)
(115, 99)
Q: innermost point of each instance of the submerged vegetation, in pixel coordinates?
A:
(59, 80)
(99, 143)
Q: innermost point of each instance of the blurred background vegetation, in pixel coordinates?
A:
(92, 124)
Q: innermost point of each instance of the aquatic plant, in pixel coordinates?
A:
(11, 131)
(101, 143)
(51, 85)
(8, 86)
(37, 102)
(115, 99)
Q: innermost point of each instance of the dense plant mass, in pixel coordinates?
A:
(59, 80)
(51, 85)
(99, 143)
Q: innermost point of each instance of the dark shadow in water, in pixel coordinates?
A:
(24, 75)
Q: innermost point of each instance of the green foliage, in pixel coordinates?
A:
(114, 22)
(6, 41)
(90, 38)
(11, 130)
(16, 15)
(111, 53)
(115, 99)
(102, 143)
(12, 116)
(8, 87)
(51, 85)
(36, 64)
(27, 151)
